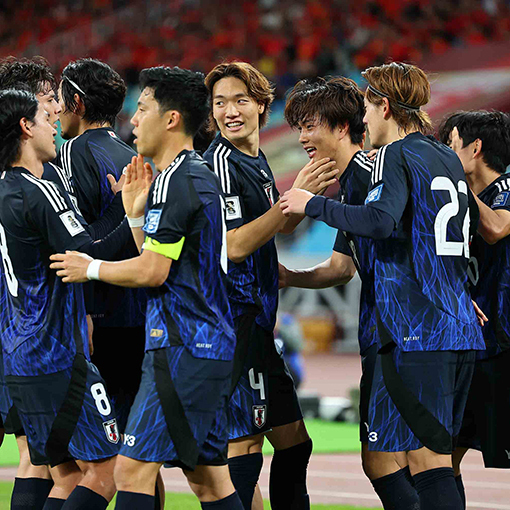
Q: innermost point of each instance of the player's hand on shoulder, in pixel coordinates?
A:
(71, 266)
(372, 154)
(316, 176)
(294, 201)
(136, 187)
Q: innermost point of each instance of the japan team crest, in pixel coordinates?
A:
(111, 430)
(268, 188)
(259, 416)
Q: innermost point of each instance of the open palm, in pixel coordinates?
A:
(137, 186)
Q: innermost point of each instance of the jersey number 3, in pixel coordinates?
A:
(445, 214)
(12, 282)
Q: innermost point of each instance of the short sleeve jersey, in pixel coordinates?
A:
(42, 323)
(421, 287)
(354, 184)
(86, 161)
(490, 273)
(250, 191)
(185, 219)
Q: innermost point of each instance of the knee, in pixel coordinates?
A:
(99, 471)
(378, 464)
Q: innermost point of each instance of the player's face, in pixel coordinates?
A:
(69, 121)
(44, 132)
(49, 101)
(465, 153)
(318, 140)
(150, 125)
(374, 121)
(236, 113)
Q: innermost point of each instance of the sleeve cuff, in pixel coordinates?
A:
(315, 206)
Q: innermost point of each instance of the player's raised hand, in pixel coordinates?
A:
(116, 185)
(136, 188)
(316, 176)
(71, 266)
(294, 201)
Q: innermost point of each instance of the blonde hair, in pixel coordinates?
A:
(406, 87)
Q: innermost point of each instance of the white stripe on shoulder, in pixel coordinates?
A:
(50, 191)
(3, 175)
(170, 173)
(161, 189)
(379, 163)
(63, 178)
(226, 171)
(500, 188)
(363, 164)
(364, 157)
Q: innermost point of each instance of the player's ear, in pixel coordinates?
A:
(80, 106)
(173, 119)
(364, 137)
(261, 108)
(26, 127)
(341, 132)
(477, 148)
(386, 108)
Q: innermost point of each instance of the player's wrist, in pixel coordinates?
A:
(136, 222)
(93, 269)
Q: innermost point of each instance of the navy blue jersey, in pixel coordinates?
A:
(185, 220)
(490, 273)
(250, 191)
(87, 160)
(421, 287)
(42, 323)
(354, 184)
(53, 173)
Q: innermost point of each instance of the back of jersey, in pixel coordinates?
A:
(421, 270)
(88, 159)
(42, 323)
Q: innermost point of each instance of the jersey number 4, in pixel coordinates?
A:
(445, 214)
(12, 282)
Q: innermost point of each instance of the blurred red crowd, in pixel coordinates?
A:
(286, 39)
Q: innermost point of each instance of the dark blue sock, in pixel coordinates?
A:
(244, 472)
(54, 504)
(460, 488)
(231, 502)
(134, 501)
(30, 493)
(396, 492)
(287, 479)
(83, 498)
(437, 490)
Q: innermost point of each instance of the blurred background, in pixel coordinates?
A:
(464, 45)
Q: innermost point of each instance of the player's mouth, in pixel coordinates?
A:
(234, 126)
(311, 151)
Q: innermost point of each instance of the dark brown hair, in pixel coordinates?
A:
(257, 84)
(406, 87)
(332, 101)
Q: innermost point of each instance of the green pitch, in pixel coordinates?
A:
(328, 437)
(173, 500)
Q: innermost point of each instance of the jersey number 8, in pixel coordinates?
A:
(445, 214)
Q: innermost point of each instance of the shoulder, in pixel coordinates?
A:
(56, 174)
(223, 161)
(363, 162)
(41, 192)
(388, 155)
(502, 183)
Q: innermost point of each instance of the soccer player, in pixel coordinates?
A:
(91, 96)
(264, 400)
(179, 415)
(481, 139)
(417, 210)
(59, 396)
(329, 116)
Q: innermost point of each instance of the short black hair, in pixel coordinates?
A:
(14, 106)
(181, 90)
(332, 101)
(491, 127)
(100, 87)
(27, 74)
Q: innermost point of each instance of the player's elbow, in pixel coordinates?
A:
(153, 276)
(348, 274)
(236, 253)
(383, 229)
(494, 234)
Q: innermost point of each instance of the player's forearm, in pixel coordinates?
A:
(243, 241)
(321, 276)
(493, 225)
(360, 220)
(139, 237)
(292, 222)
(130, 273)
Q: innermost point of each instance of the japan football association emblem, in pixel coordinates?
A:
(268, 189)
(111, 431)
(259, 416)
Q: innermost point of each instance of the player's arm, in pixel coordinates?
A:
(384, 205)
(242, 241)
(494, 224)
(150, 269)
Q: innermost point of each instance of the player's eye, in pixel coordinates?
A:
(218, 103)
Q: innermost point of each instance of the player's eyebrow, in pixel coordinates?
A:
(240, 94)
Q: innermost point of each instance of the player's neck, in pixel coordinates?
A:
(31, 162)
(344, 155)
(85, 126)
(249, 145)
(169, 151)
(480, 178)
(395, 132)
